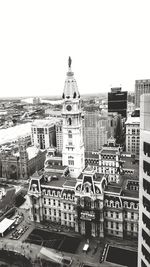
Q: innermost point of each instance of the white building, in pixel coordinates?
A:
(73, 146)
(133, 135)
(43, 133)
(109, 157)
(144, 193)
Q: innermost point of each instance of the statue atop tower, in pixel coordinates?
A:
(69, 62)
(70, 88)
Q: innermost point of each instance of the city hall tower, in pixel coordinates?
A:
(73, 146)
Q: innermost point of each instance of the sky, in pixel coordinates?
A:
(108, 41)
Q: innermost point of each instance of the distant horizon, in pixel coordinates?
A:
(50, 96)
(57, 96)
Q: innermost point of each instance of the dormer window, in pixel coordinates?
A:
(87, 189)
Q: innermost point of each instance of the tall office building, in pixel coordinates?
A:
(117, 101)
(141, 87)
(43, 133)
(133, 135)
(144, 193)
(95, 130)
(59, 136)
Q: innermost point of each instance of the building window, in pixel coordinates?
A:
(70, 162)
(69, 121)
(111, 214)
(146, 186)
(146, 204)
(146, 148)
(132, 226)
(146, 167)
(132, 215)
(117, 225)
(69, 134)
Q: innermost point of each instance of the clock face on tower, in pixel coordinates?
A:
(68, 107)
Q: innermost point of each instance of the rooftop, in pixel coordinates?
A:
(91, 155)
(109, 151)
(45, 123)
(55, 167)
(133, 120)
(131, 164)
(5, 224)
(70, 183)
(113, 189)
(57, 180)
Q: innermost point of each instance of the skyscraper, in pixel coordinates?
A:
(141, 87)
(117, 101)
(95, 129)
(144, 193)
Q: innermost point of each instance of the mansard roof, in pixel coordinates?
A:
(57, 180)
(113, 189)
(70, 183)
(91, 155)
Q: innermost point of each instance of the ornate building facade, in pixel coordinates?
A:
(97, 200)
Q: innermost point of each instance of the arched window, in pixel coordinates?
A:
(74, 95)
(69, 121)
(87, 189)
